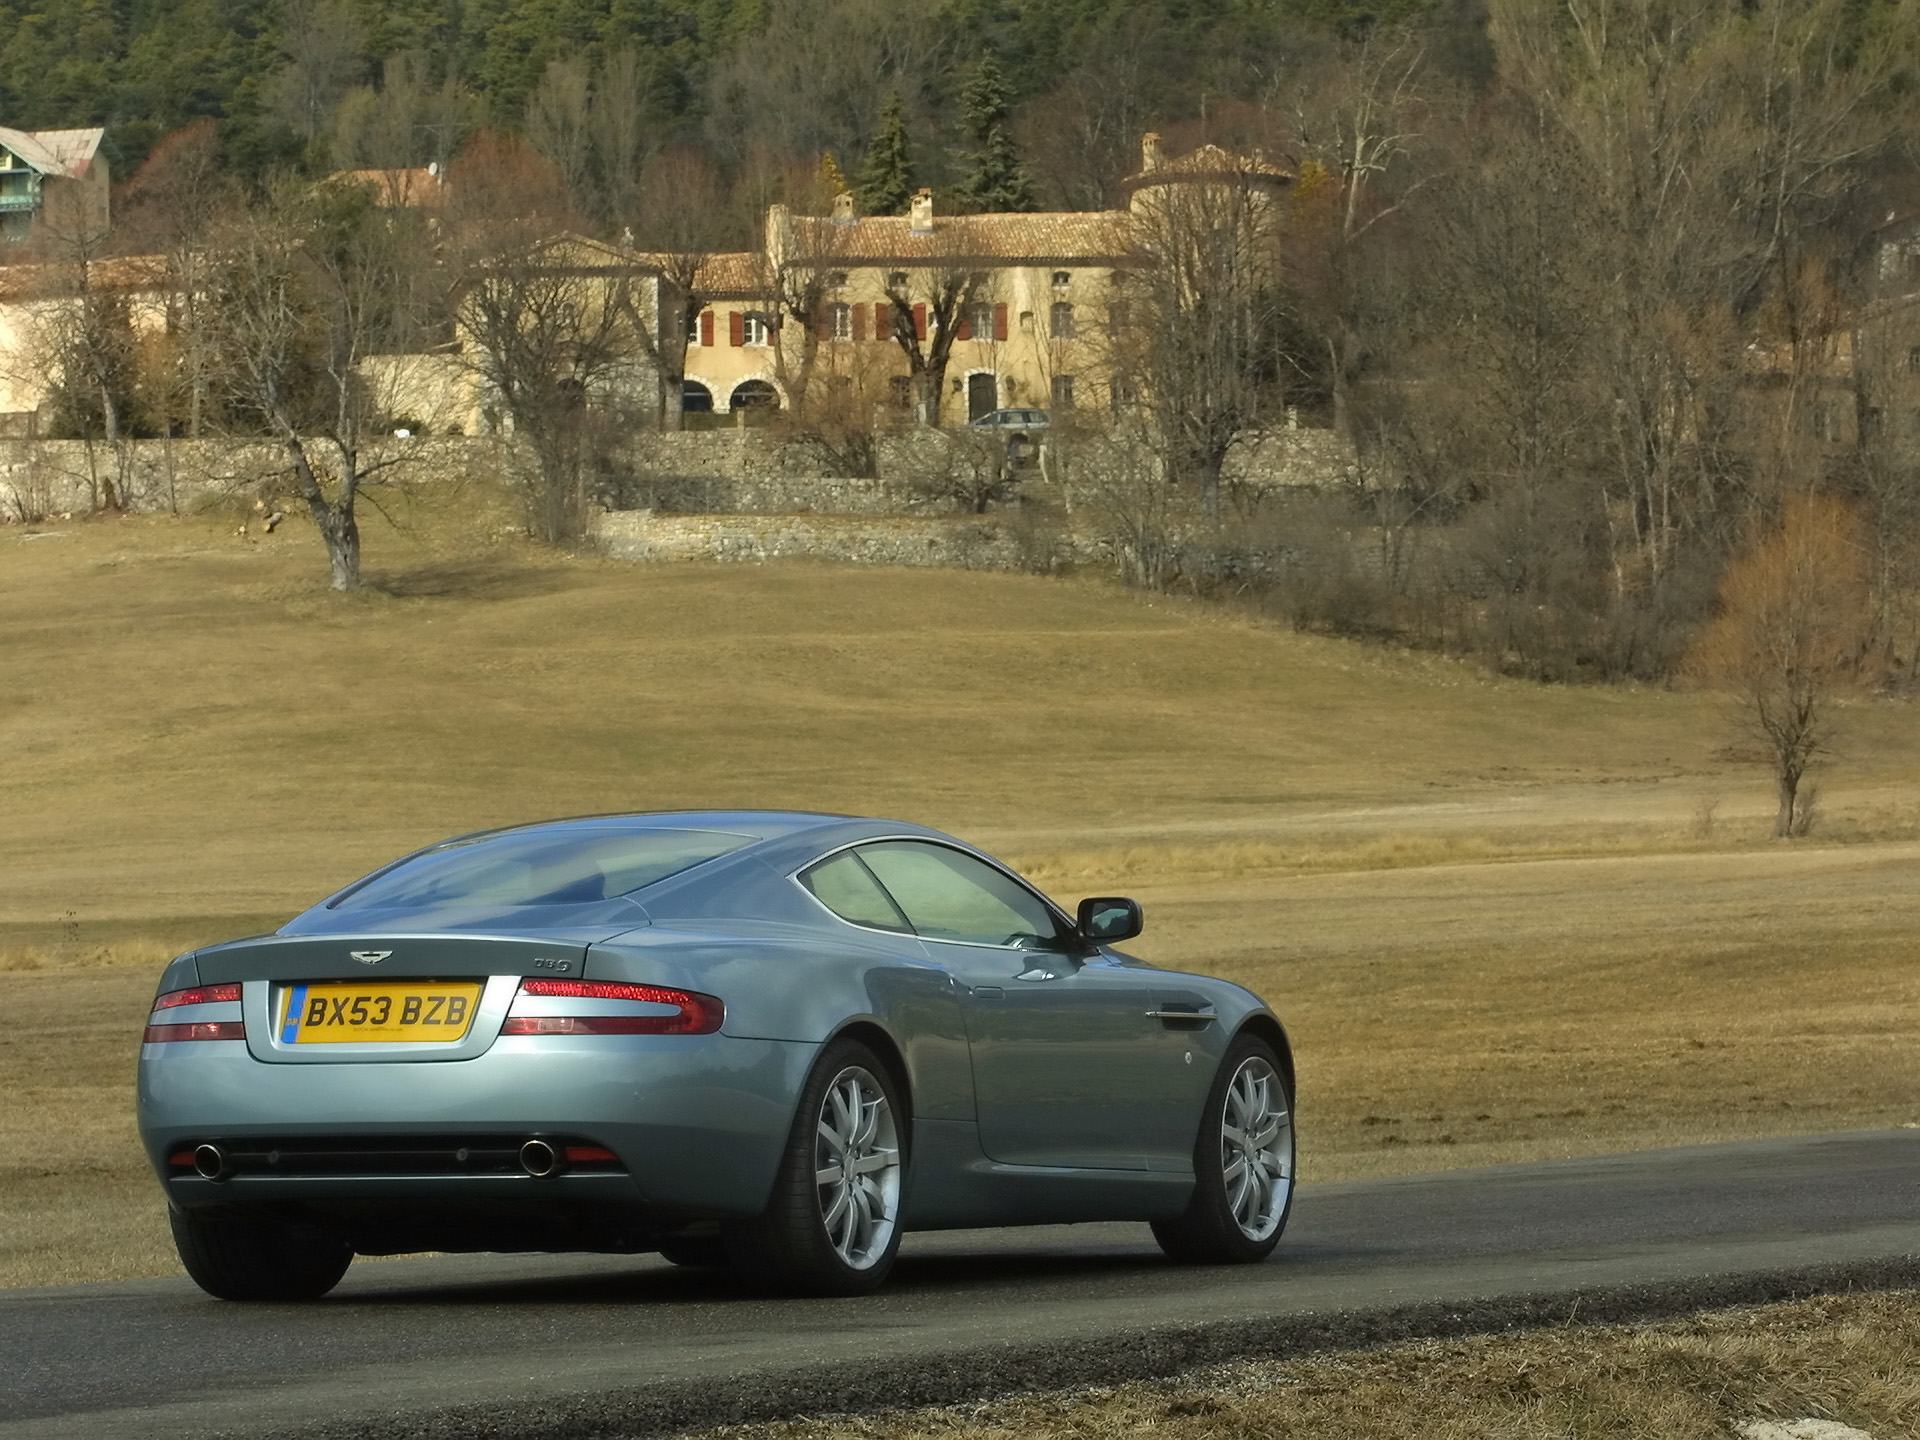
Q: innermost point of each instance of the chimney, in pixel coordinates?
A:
(922, 221)
(1149, 152)
(843, 209)
(779, 234)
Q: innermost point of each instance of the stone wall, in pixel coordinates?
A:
(42, 479)
(971, 542)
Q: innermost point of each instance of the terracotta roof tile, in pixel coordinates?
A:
(1211, 161)
(1059, 236)
(415, 188)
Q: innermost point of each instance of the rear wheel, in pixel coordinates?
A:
(235, 1259)
(1242, 1164)
(832, 1225)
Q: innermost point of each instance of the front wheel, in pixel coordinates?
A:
(832, 1226)
(235, 1259)
(1242, 1165)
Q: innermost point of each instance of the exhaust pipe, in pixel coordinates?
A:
(539, 1159)
(211, 1162)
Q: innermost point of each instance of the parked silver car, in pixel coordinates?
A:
(1012, 420)
(770, 1040)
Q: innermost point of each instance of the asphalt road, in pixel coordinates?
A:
(576, 1346)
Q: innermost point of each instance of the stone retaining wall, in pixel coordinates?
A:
(40, 479)
(972, 542)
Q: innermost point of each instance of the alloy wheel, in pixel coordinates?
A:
(1256, 1149)
(857, 1167)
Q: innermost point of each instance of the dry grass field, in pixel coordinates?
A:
(1502, 921)
(1852, 1360)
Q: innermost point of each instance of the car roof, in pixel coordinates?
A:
(758, 824)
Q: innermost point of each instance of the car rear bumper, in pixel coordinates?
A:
(697, 1123)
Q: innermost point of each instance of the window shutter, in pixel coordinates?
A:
(920, 321)
(882, 320)
(706, 328)
(736, 328)
(966, 328)
(1000, 321)
(823, 323)
(859, 322)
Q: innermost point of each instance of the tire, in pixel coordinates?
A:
(256, 1259)
(825, 1231)
(1242, 1164)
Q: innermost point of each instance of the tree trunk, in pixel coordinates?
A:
(1788, 788)
(110, 420)
(334, 520)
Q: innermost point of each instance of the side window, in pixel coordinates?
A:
(948, 895)
(847, 887)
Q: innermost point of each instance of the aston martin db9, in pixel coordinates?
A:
(767, 1040)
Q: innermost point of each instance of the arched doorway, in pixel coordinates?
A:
(695, 398)
(754, 395)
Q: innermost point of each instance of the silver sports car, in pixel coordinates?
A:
(770, 1040)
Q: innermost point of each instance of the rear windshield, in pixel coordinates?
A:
(538, 867)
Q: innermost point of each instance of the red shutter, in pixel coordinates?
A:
(882, 320)
(1000, 322)
(966, 329)
(736, 328)
(706, 328)
(859, 322)
(920, 321)
(823, 323)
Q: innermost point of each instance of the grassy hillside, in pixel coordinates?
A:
(1501, 920)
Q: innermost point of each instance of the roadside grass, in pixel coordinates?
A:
(1502, 921)
(1851, 1359)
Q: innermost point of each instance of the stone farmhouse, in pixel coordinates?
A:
(1033, 300)
(1011, 310)
(867, 312)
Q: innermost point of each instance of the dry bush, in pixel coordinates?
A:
(1792, 628)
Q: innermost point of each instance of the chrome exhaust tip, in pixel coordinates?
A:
(210, 1162)
(539, 1159)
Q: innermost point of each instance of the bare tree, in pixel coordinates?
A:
(927, 300)
(679, 226)
(168, 209)
(814, 76)
(305, 290)
(324, 44)
(1790, 632)
(412, 119)
(1203, 304)
(80, 338)
(556, 327)
(559, 122)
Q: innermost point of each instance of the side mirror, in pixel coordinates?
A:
(1109, 919)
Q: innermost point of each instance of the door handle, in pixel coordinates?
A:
(1199, 1016)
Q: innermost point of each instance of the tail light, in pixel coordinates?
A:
(198, 1029)
(693, 1014)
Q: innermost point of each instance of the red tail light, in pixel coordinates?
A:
(204, 1030)
(198, 995)
(697, 1014)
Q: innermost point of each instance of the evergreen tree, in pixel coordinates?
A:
(997, 178)
(884, 183)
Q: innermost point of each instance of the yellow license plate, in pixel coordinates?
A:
(329, 1013)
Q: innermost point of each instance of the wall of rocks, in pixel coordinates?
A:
(46, 479)
(969, 542)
